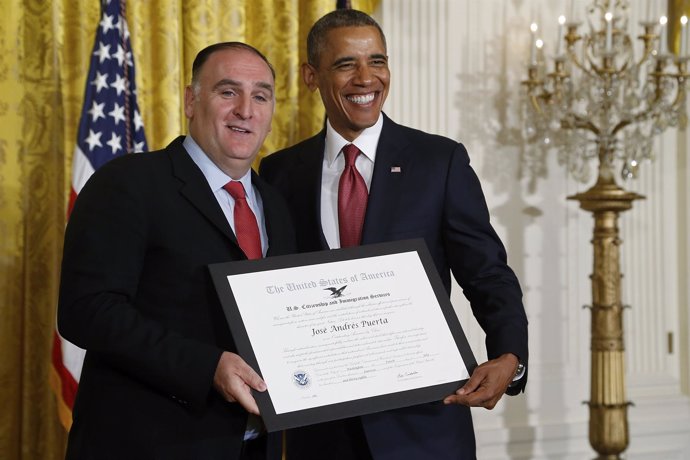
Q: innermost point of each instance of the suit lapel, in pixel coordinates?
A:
(271, 217)
(393, 155)
(196, 190)
(308, 179)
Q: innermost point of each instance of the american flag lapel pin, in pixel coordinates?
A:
(396, 169)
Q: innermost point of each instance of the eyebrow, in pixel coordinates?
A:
(237, 84)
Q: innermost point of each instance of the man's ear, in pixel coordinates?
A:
(189, 101)
(309, 76)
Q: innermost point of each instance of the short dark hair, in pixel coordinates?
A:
(334, 20)
(205, 53)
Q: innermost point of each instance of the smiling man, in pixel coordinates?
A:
(365, 179)
(230, 104)
(161, 378)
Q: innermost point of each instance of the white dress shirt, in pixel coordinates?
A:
(332, 169)
(217, 179)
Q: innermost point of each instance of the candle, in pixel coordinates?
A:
(683, 36)
(559, 42)
(652, 10)
(609, 31)
(572, 11)
(663, 48)
(533, 44)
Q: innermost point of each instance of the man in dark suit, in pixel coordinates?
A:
(417, 186)
(161, 379)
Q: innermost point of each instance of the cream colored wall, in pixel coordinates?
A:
(456, 70)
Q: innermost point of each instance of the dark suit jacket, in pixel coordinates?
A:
(137, 295)
(435, 196)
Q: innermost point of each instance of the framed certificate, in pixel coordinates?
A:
(344, 332)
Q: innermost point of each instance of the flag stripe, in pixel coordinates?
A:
(64, 412)
(68, 387)
(81, 170)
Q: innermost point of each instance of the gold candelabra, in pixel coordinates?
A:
(598, 102)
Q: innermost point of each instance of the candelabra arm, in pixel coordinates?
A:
(649, 112)
(658, 75)
(623, 69)
(641, 116)
(573, 58)
(645, 56)
(608, 71)
(646, 114)
(648, 38)
(680, 94)
(534, 99)
(580, 123)
(623, 123)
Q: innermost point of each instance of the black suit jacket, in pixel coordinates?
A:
(435, 196)
(137, 295)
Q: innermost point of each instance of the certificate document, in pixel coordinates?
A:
(344, 332)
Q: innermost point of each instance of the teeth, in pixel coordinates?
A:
(363, 99)
(239, 130)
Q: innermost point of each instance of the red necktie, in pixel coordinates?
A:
(352, 200)
(246, 229)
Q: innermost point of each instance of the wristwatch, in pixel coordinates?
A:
(519, 372)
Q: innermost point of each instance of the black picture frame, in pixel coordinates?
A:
(276, 422)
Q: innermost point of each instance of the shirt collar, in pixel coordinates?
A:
(215, 177)
(366, 142)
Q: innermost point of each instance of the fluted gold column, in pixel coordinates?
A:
(608, 414)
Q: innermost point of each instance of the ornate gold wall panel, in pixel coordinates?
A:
(676, 9)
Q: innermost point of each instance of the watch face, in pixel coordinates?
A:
(519, 372)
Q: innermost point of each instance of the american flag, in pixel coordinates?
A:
(110, 126)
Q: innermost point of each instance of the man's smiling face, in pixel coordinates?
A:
(352, 76)
(230, 108)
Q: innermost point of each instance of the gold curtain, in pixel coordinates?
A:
(44, 56)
